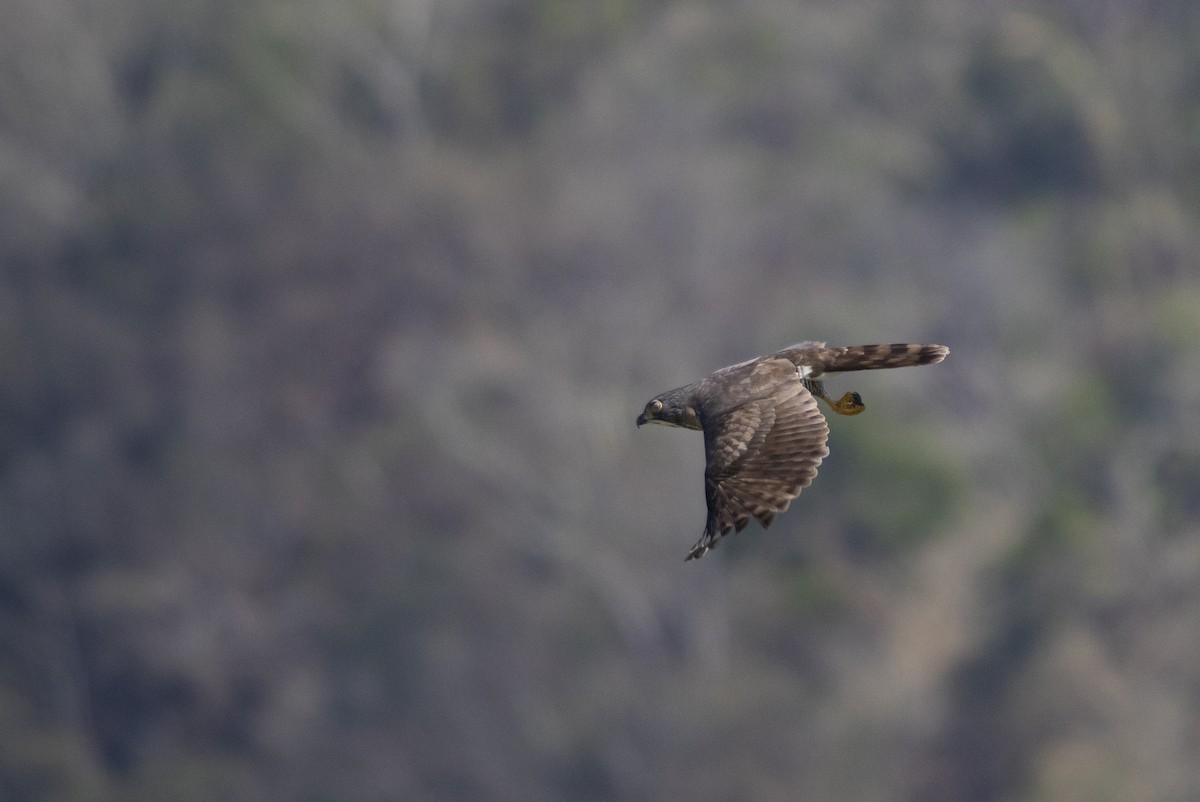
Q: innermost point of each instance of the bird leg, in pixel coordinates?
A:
(848, 404)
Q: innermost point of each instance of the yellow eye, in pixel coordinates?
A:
(654, 406)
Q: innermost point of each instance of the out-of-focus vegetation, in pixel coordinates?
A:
(322, 331)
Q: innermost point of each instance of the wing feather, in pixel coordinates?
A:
(761, 453)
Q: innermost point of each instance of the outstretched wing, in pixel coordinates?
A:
(760, 455)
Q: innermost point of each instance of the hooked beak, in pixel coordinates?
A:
(640, 420)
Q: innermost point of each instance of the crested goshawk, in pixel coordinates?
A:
(764, 435)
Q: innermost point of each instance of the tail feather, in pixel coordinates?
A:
(872, 357)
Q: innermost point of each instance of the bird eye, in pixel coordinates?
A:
(654, 406)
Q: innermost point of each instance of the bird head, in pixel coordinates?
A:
(671, 409)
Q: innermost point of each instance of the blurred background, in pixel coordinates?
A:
(323, 327)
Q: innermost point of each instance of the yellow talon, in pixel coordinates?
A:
(848, 404)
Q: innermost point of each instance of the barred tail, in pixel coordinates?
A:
(871, 357)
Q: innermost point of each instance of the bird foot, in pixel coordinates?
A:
(848, 404)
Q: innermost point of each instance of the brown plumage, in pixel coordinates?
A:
(764, 435)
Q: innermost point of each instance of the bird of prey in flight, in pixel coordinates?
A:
(764, 435)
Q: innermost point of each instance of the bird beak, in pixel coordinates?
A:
(640, 420)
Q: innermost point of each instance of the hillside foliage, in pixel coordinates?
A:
(323, 327)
